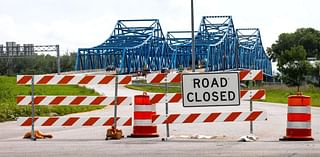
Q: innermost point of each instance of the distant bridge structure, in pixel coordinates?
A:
(215, 43)
(136, 45)
(251, 52)
(132, 46)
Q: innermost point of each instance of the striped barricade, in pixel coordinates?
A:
(72, 79)
(176, 77)
(258, 94)
(73, 100)
(73, 121)
(210, 117)
(78, 121)
(161, 98)
(161, 78)
(251, 75)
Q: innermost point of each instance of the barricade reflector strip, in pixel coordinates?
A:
(73, 100)
(259, 94)
(74, 121)
(210, 117)
(145, 122)
(161, 98)
(256, 75)
(298, 125)
(160, 78)
(142, 108)
(72, 79)
(176, 77)
(299, 109)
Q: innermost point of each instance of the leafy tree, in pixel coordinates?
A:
(293, 66)
(291, 51)
(309, 38)
(38, 64)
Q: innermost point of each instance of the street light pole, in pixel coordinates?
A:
(192, 34)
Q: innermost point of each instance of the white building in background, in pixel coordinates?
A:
(313, 61)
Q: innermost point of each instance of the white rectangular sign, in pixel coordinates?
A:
(211, 89)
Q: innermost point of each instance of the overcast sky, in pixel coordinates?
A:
(77, 24)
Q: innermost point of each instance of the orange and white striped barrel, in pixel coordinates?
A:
(142, 119)
(298, 119)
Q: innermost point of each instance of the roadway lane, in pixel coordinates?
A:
(89, 141)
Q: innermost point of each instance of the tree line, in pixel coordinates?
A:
(291, 52)
(37, 64)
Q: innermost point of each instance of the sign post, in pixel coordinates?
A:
(211, 89)
(33, 138)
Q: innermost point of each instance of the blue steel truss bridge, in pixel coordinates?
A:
(137, 45)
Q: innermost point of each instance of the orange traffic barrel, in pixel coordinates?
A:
(142, 118)
(298, 119)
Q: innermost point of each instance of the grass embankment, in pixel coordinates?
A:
(279, 94)
(275, 93)
(9, 90)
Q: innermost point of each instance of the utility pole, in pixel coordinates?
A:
(193, 58)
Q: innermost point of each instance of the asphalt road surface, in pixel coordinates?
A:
(221, 139)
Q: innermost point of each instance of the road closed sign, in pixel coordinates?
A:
(210, 89)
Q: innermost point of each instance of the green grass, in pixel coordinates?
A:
(9, 90)
(279, 94)
(275, 93)
(156, 89)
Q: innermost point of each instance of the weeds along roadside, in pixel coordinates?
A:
(10, 111)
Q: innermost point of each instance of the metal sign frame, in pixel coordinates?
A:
(237, 94)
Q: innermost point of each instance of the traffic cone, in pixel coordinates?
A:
(142, 119)
(298, 119)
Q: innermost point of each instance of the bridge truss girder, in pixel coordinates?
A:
(251, 52)
(218, 47)
(130, 48)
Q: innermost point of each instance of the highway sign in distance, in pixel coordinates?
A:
(210, 89)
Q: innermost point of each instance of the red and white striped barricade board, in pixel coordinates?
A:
(161, 78)
(210, 117)
(253, 75)
(161, 97)
(74, 121)
(73, 100)
(258, 94)
(244, 75)
(72, 79)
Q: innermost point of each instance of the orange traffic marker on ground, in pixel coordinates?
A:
(298, 119)
(143, 112)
